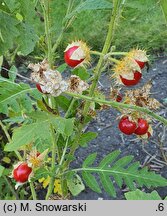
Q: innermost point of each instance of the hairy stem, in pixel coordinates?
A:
(55, 139)
(70, 108)
(119, 105)
(34, 196)
(105, 50)
(54, 147)
(45, 7)
(98, 71)
(110, 53)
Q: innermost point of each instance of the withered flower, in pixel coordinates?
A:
(141, 97)
(50, 81)
(76, 85)
(36, 159)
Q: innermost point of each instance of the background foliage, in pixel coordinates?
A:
(142, 23)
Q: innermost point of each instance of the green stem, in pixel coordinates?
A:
(69, 7)
(58, 40)
(9, 139)
(118, 53)
(63, 180)
(98, 71)
(63, 155)
(105, 50)
(11, 188)
(119, 105)
(45, 7)
(111, 53)
(54, 147)
(70, 108)
(34, 196)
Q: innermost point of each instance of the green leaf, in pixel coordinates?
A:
(27, 39)
(11, 95)
(109, 159)
(63, 102)
(81, 72)
(87, 137)
(89, 160)
(122, 170)
(41, 173)
(12, 73)
(62, 68)
(1, 170)
(75, 185)
(91, 181)
(39, 130)
(90, 5)
(140, 195)
(107, 184)
(12, 4)
(8, 32)
(29, 133)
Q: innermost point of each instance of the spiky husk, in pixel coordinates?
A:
(83, 52)
(125, 68)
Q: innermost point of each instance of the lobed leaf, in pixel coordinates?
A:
(123, 171)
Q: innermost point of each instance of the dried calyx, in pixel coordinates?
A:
(50, 81)
(76, 85)
(141, 97)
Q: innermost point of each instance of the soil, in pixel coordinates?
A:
(110, 139)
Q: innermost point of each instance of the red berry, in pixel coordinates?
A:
(39, 87)
(67, 57)
(38, 153)
(142, 127)
(137, 77)
(126, 126)
(22, 172)
(140, 63)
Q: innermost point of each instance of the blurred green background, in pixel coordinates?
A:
(142, 24)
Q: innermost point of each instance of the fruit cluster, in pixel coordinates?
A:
(129, 127)
(127, 71)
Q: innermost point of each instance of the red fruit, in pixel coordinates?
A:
(137, 77)
(67, 57)
(119, 98)
(126, 126)
(142, 127)
(38, 153)
(39, 87)
(140, 63)
(22, 172)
